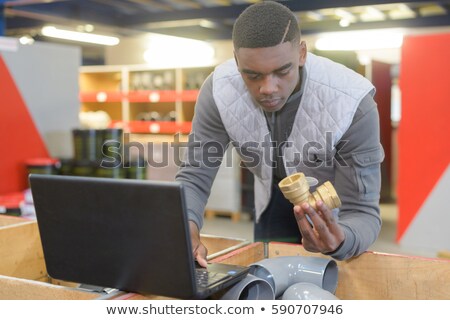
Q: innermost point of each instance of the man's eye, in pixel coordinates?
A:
(253, 76)
(283, 72)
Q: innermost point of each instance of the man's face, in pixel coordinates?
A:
(271, 74)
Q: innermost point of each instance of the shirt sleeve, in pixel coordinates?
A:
(358, 181)
(207, 143)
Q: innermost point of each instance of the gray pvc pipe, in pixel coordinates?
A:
(307, 291)
(250, 288)
(282, 272)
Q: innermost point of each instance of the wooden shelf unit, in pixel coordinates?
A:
(141, 99)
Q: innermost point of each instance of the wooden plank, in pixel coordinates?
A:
(137, 296)
(383, 276)
(63, 283)
(218, 246)
(10, 220)
(21, 251)
(23, 289)
(244, 256)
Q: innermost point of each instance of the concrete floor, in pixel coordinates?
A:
(223, 226)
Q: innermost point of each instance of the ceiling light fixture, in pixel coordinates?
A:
(344, 22)
(26, 40)
(164, 52)
(372, 14)
(360, 40)
(346, 17)
(50, 31)
(314, 15)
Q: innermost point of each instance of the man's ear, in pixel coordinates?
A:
(302, 56)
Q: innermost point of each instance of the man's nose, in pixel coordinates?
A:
(269, 85)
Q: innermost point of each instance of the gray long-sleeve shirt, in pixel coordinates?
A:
(357, 183)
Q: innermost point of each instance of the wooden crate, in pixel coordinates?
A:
(6, 220)
(371, 276)
(23, 289)
(20, 249)
(219, 246)
(23, 274)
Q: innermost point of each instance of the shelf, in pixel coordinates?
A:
(102, 96)
(152, 96)
(141, 99)
(157, 96)
(154, 127)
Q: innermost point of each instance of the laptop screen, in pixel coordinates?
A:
(127, 234)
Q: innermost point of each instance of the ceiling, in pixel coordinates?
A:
(210, 19)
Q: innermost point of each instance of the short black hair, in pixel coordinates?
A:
(265, 24)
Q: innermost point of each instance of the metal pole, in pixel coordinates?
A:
(2, 17)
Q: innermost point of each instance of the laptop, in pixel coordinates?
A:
(131, 235)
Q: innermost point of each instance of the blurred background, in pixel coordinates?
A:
(77, 74)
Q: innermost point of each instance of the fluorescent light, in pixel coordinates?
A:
(26, 40)
(403, 12)
(344, 22)
(432, 10)
(50, 31)
(314, 15)
(372, 14)
(164, 52)
(346, 17)
(359, 40)
(341, 13)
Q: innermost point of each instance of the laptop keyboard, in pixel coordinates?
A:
(205, 278)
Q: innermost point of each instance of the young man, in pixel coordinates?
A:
(286, 111)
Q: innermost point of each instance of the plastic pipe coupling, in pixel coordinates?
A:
(295, 188)
(250, 288)
(282, 272)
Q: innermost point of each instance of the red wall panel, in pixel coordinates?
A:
(424, 131)
(19, 137)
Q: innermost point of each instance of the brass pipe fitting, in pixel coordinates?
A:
(295, 188)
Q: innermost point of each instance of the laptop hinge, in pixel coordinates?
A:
(98, 289)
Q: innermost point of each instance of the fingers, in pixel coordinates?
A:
(328, 217)
(325, 235)
(200, 255)
(326, 213)
(199, 251)
(310, 239)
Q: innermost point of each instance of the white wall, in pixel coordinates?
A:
(47, 77)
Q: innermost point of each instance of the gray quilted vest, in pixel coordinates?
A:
(332, 93)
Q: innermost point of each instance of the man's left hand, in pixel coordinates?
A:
(325, 235)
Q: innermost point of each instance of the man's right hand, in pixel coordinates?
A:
(198, 249)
